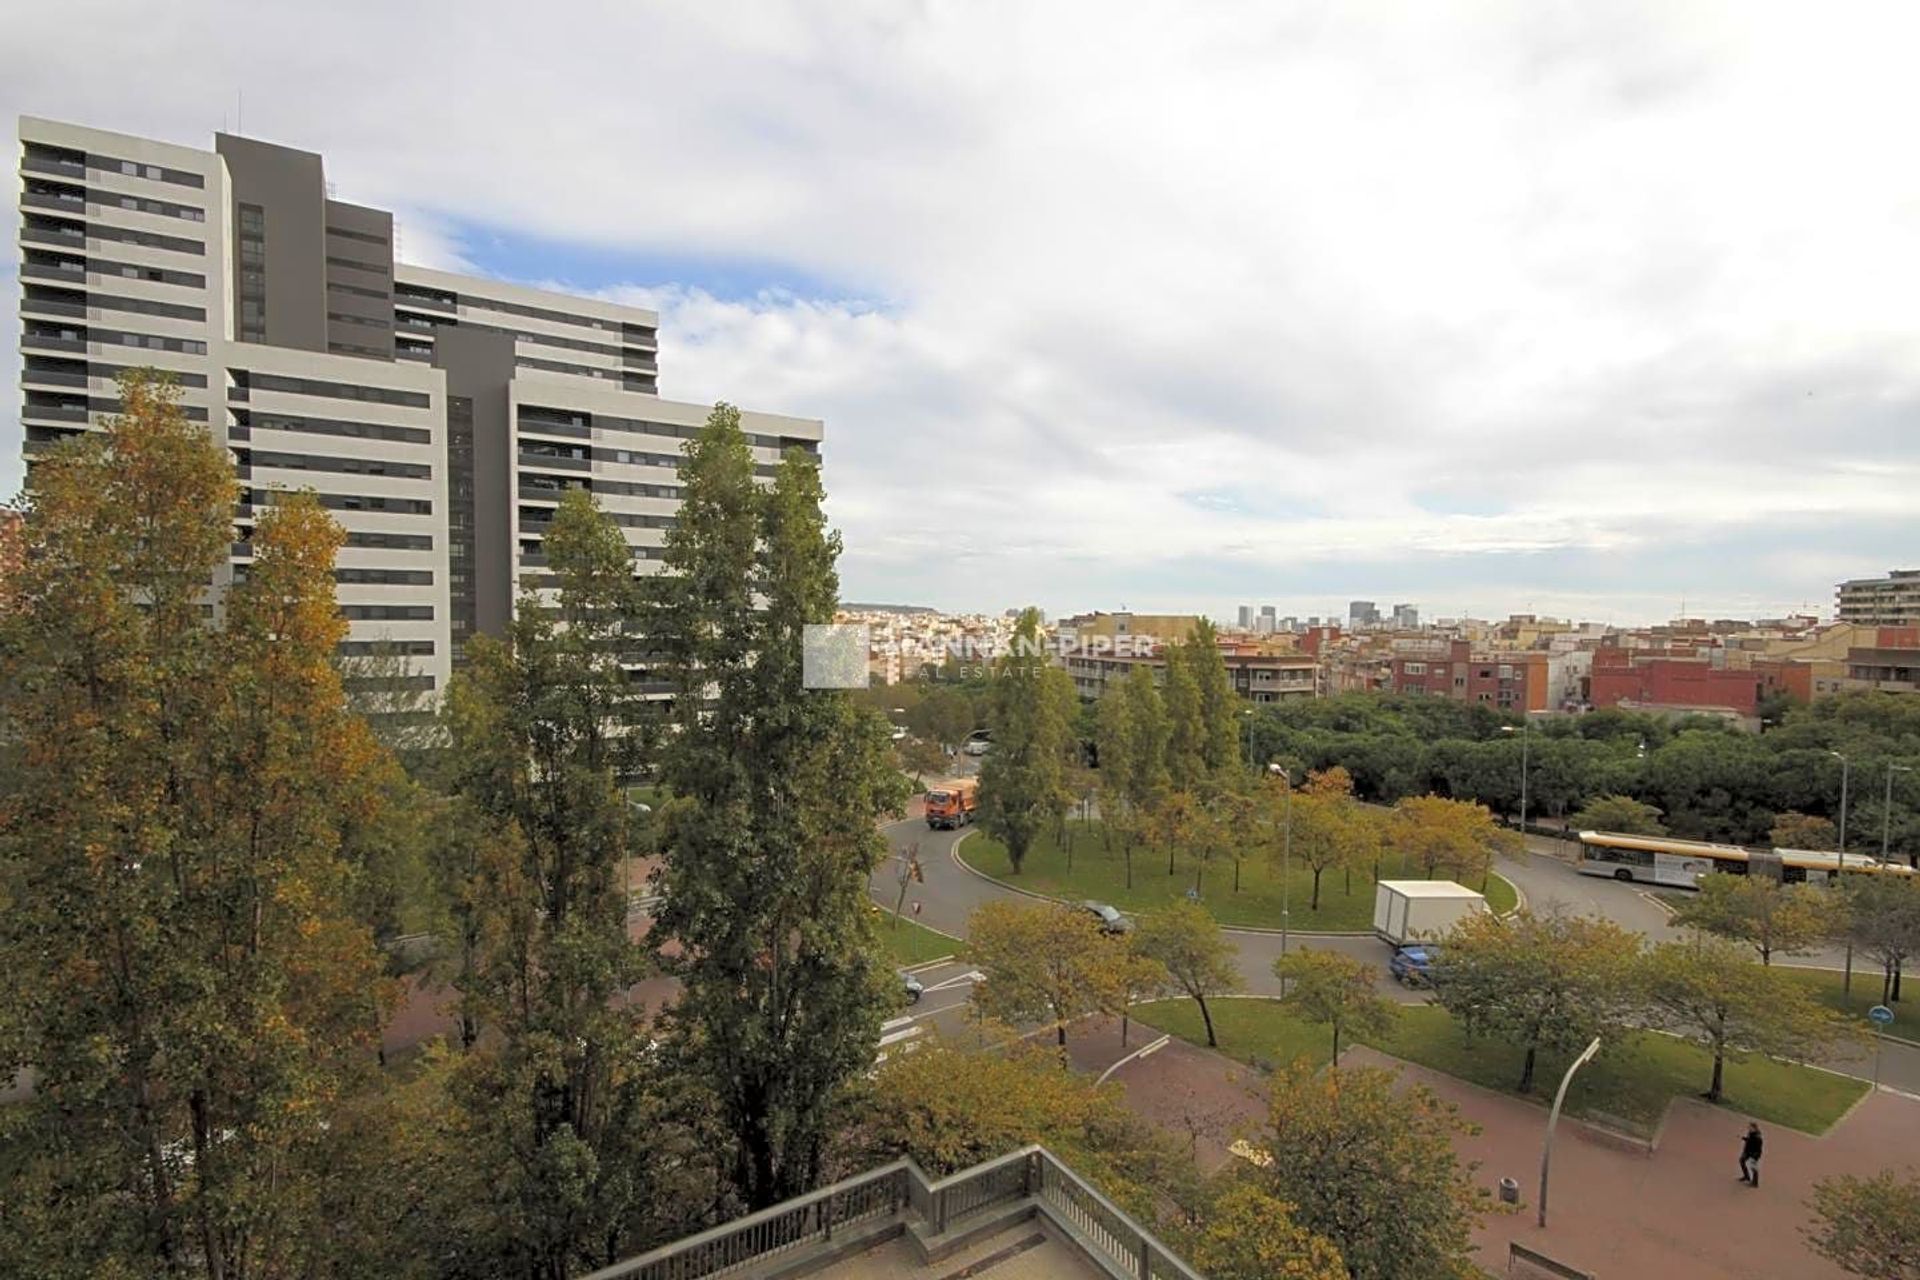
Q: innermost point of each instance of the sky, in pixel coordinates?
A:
(1600, 310)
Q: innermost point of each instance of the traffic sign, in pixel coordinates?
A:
(1881, 1015)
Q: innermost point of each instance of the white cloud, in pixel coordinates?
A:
(1406, 284)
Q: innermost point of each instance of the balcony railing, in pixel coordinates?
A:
(900, 1191)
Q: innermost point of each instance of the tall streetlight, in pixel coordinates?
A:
(1846, 768)
(1553, 1118)
(1525, 724)
(1886, 808)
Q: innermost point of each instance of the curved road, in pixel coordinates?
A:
(951, 892)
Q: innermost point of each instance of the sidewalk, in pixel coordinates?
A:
(1681, 1211)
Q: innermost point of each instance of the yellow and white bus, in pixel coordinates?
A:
(1665, 860)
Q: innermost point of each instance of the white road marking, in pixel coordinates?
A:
(958, 981)
(905, 1033)
(891, 1023)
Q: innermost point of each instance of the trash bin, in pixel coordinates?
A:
(1509, 1191)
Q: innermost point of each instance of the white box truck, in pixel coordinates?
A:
(1409, 911)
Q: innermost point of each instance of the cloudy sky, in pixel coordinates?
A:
(1560, 307)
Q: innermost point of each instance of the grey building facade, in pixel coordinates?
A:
(440, 417)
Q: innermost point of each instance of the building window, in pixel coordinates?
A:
(1416, 668)
(253, 273)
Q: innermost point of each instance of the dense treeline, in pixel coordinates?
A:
(1708, 780)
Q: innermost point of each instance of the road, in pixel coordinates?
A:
(951, 892)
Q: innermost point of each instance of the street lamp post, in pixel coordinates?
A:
(1846, 768)
(1553, 1117)
(1525, 724)
(1886, 808)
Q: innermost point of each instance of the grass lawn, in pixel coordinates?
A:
(1826, 986)
(1101, 874)
(1627, 1086)
(909, 943)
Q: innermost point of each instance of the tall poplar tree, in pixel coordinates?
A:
(1022, 783)
(186, 981)
(558, 1098)
(771, 833)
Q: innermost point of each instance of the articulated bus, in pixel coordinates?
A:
(1664, 860)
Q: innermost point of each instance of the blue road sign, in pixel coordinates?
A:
(1880, 1014)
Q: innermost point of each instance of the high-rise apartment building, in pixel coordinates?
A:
(1363, 613)
(1405, 617)
(1892, 601)
(1246, 617)
(439, 417)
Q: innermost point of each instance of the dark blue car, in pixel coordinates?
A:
(1414, 965)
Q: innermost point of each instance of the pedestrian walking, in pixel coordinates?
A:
(1750, 1156)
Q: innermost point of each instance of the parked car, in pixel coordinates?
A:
(1111, 921)
(978, 747)
(913, 988)
(1414, 965)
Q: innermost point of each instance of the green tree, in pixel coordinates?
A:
(1022, 786)
(1622, 814)
(184, 974)
(1248, 1233)
(543, 727)
(1453, 836)
(1373, 1170)
(1137, 976)
(1882, 916)
(1802, 831)
(1189, 942)
(1772, 918)
(1709, 992)
(1337, 990)
(1330, 829)
(772, 833)
(1540, 980)
(1186, 723)
(1044, 963)
(1868, 1226)
(1140, 731)
(949, 1108)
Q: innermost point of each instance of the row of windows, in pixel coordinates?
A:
(365, 237)
(141, 306)
(341, 317)
(333, 390)
(332, 427)
(125, 270)
(352, 502)
(534, 417)
(336, 286)
(387, 612)
(344, 466)
(385, 577)
(384, 648)
(352, 264)
(536, 518)
(355, 349)
(390, 541)
(95, 369)
(561, 366)
(542, 339)
(123, 235)
(540, 313)
(113, 164)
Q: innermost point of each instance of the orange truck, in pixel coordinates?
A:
(952, 804)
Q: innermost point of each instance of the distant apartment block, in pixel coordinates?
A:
(1510, 681)
(1892, 601)
(1363, 613)
(1678, 684)
(439, 417)
(1891, 663)
(1256, 674)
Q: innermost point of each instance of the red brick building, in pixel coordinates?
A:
(1515, 681)
(1620, 676)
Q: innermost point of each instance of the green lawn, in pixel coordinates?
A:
(1101, 873)
(1827, 986)
(1627, 1086)
(909, 943)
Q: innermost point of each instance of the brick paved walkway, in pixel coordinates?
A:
(1620, 1214)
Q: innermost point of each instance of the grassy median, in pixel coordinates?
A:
(908, 943)
(1628, 1086)
(1100, 873)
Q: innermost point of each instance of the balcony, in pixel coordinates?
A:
(909, 1225)
(439, 306)
(52, 378)
(47, 342)
(46, 307)
(59, 204)
(48, 235)
(554, 461)
(55, 412)
(75, 272)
